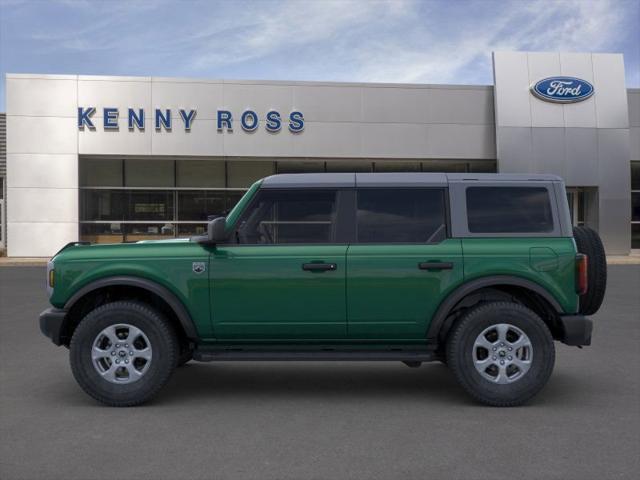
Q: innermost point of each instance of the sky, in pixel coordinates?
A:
(403, 41)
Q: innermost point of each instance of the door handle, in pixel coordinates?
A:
(435, 265)
(319, 267)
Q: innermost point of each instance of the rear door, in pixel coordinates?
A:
(402, 263)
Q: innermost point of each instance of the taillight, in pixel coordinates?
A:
(582, 279)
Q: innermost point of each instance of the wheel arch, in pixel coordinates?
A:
(127, 287)
(442, 320)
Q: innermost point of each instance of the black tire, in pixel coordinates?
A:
(588, 242)
(164, 347)
(460, 351)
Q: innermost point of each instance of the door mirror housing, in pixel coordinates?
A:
(217, 230)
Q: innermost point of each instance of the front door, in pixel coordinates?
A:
(402, 264)
(284, 277)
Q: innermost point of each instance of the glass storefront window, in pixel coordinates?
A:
(200, 173)
(391, 166)
(635, 235)
(286, 166)
(150, 205)
(149, 173)
(102, 232)
(439, 166)
(635, 176)
(483, 166)
(233, 197)
(346, 166)
(101, 172)
(198, 205)
(135, 232)
(635, 207)
(102, 205)
(128, 199)
(191, 229)
(242, 174)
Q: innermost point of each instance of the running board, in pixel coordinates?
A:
(313, 355)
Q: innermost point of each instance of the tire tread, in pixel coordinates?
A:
(164, 329)
(454, 344)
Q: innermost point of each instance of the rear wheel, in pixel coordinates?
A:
(122, 353)
(501, 353)
(588, 242)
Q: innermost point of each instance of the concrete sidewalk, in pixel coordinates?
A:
(36, 261)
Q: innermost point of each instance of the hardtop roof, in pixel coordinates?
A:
(399, 179)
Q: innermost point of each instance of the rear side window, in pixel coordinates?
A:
(389, 215)
(509, 210)
(290, 216)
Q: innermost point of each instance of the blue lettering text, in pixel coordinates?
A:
(136, 120)
(273, 124)
(163, 120)
(249, 120)
(296, 122)
(225, 119)
(84, 117)
(187, 118)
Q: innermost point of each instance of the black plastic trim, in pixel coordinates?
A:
(576, 330)
(212, 355)
(438, 320)
(176, 305)
(51, 323)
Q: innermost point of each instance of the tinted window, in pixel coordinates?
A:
(389, 215)
(289, 216)
(509, 210)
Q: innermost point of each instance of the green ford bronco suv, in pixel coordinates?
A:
(481, 272)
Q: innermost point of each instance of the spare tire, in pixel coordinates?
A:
(588, 242)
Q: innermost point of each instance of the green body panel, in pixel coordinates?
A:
(389, 297)
(167, 263)
(262, 292)
(548, 262)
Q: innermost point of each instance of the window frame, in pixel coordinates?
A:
(445, 203)
(344, 202)
(459, 221)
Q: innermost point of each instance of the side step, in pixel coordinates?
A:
(220, 355)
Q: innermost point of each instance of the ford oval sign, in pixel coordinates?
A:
(562, 89)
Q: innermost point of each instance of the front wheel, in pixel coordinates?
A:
(122, 353)
(501, 353)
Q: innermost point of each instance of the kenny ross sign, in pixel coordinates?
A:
(162, 119)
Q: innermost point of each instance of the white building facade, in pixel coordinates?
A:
(112, 159)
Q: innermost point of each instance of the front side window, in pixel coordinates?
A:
(389, 215)
(509, 210)
(289, 216)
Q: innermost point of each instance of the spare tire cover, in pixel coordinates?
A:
(588, 242)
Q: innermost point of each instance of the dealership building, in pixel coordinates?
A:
(114, 159)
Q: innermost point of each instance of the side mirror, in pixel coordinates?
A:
(216, 230)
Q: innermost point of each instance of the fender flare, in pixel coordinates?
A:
(440, 317)
(172, 300)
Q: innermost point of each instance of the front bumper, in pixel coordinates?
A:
(51, 324)
(575, 330)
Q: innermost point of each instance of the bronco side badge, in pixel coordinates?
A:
(199, 267)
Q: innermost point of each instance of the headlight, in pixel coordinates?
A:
(51, 277)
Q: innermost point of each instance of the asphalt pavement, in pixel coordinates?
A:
(319, 420)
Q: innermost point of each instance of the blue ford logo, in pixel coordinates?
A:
(562, 89)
